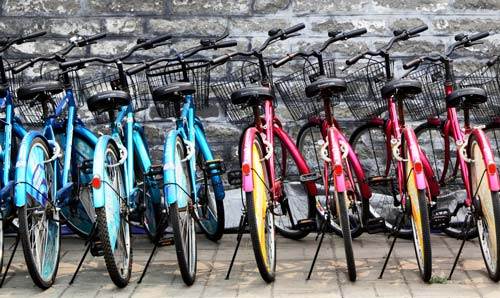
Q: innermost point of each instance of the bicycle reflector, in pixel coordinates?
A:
(96, 182)
(418, 167)
(338, 170)
(245, 169)
(492, 168)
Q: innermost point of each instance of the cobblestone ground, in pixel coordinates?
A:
(329, 278)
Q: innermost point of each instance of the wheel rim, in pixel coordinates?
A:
(118, 227)
(43, 227)
(486, 222)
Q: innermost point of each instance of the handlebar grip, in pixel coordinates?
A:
(417, 30)
(74, 63)
(354, 59)
(294, 29)
(412, 63)
(478, 36)
(22, 66)
(157, 40)
(136, 69)
(226, 44)
(220, 59)
(284, 60)
(94, 37)
(34, 35)
(355, 32)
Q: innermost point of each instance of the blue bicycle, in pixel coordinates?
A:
(124, 183)
(189, 196)
(44, 187)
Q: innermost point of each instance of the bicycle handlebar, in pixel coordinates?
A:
(7, 43)
(334, 36)
(399, 35)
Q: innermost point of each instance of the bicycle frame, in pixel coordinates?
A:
(270, 121)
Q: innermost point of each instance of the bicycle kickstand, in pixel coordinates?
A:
(241, 230)
(153, 252)
(464, 232)
(322, 232)
(88, 244)
(10, 260)
(395, 235)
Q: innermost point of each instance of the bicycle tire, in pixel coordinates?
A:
(488, 217)
(346, 235)
(42, 277)
(263, 228)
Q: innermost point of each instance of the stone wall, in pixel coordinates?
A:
(248, 21)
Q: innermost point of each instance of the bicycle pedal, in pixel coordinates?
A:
(306, 224)
(234, 177)
(214, 167)
(375, 225)
(375, 180)
(166, 241)
(440, 218)
(310, 177)
(96, 249)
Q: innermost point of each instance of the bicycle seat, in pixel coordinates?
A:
(326, 84)
(3, 90)
(34, 90)
(401, 88)
(251, 95)
(466, 97)
(108, 100)
(173, 92)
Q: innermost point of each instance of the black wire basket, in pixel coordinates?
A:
(363, 95)
(247, 74)
(197, 73)
(292, 90)
(487, 78)
(34, 112)
(107, 78)
(431, 101)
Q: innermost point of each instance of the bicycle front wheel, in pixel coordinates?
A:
(39, 226)
(488, 221)
(343, 218)
(419, 215)
(112, 220)
(260, 216)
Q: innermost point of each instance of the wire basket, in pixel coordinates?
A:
(108, 79)
(247, 74)
(34, 112)
(292, 90)
(487, 78)
(363, 95)
(431, 101)
(198, 74)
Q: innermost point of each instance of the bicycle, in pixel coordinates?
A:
(409, 164)
(474, 156)
(347, 212)
(42, 184)
(117, 194)
(188, 195)
(264, 189)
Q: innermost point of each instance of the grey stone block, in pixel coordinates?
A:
(40, 7)
(234, 7)
(126, 6)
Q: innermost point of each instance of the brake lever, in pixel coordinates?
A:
(286, 36)
(226, 34)
(475, 43)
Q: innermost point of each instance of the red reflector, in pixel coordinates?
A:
(245, 169)
(418, 167)
(338, 170)
(96, 182)
(492, 168)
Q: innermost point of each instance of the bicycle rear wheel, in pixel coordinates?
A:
(39, 226)
(419, 215)
(369, 143)
(260, 216)
(492, 131)
(112, 219)
(488, 219)
(181, 216)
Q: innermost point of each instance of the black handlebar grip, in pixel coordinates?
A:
(74, 63)
(417, 30)
(226, 44)
(34, 35)
(294, 29)
(157, 40)
(95, 37)
(354, 59)
(493, 61)
(136, 69)
(354, 33)
(284, 60)
(22, 66)
(478, 36)
(412, 63)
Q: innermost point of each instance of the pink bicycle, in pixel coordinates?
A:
(474, 157)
